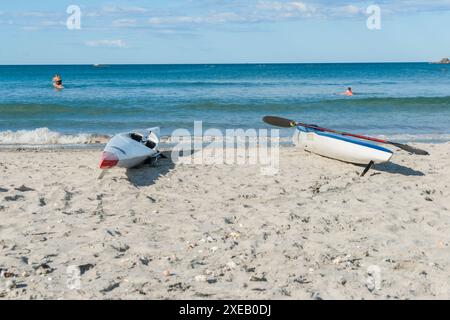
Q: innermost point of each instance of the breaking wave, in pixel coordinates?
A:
(44, 136)
(47, 138)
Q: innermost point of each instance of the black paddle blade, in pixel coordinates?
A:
(279, 122)
(410, 149)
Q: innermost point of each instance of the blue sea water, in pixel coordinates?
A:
(407, 101)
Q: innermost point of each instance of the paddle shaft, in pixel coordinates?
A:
(341, 133)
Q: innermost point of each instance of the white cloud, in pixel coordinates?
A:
(39, 14)
(124, 23)
(346, 11)
(258, 11)
(192, 13)
(285, 6)
(39, 25)
(214, 18)
(30, 28)
(106, 43)
(91, 14)
(261, 11)
(119, 9)
(50, 23)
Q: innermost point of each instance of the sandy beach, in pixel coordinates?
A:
(316, 230)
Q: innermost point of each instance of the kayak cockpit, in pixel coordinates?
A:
(148, 142)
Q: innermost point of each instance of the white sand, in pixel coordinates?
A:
(315, 230)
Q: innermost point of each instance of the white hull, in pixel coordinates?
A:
(342, 148)
(125, 150)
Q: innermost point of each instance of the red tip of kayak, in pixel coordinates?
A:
(108, 160)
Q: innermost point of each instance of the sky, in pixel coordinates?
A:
(222, 31)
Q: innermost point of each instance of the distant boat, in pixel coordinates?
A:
(100, 66)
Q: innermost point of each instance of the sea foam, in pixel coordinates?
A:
(44, 136)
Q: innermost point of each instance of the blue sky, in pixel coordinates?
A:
(222, 31)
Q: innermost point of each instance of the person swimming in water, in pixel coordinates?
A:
(57, 82)
(349, 92)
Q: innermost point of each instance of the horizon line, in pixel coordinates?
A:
(206, 63)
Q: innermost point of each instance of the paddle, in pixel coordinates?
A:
(286, 123)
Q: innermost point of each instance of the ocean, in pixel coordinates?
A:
(402, 101)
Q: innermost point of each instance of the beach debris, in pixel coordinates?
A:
(24, 188)
(3, 189)
(67, 198)
(42, 269)
(172, 258)
(293, 216)
(167, 273)
(196, 262)
(229, 220)
(144, 260)
(14, 198)
(121, 247)
(256, 278)
(374, 278)
(113, 233)
(68, 195)
(285, 292)
(370, 285)
(316, 296)
(217, 273)
(249, 269)
(428, 193)
(179, 286)
(4, 273)
(110, 287)
(302, 280)
(85, 267)
(42, 202)
(305, 219)
(203, 295)
(203, 278)
(10, 284)
(24, 259)
(315, 188)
